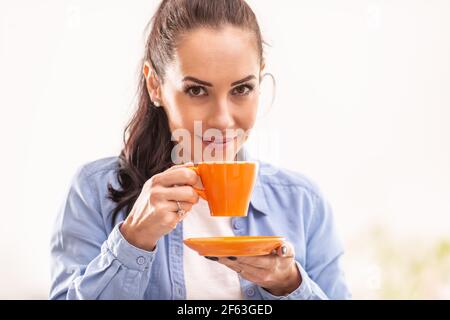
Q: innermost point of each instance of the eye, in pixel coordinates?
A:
(195, 91)
(242, 90)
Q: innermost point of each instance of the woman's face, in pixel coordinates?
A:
(211, 92)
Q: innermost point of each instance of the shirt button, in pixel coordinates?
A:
(237, 224)
(140, 260)
(250, 292)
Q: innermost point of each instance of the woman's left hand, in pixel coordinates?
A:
(276, 272)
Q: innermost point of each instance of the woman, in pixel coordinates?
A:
(120, 232)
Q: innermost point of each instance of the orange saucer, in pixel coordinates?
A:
(234, 246)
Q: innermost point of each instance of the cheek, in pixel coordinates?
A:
(246, 113)
(179, 114)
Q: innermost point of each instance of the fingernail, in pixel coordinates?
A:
(283, 250)
(212, 258)
(232, 258)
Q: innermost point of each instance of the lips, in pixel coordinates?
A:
(218, 142)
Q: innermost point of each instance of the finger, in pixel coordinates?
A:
(259, 262)
(180, 193)
(262, 262)
(232, 264)
(178, 176)
(187, 164)
(248, 272)
(237, 267)
(173, 207)
(184, 206)
(198, 184)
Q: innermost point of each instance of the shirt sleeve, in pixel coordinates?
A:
(322, 277)
(87, 263)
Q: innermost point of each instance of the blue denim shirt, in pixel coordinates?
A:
(90, 259)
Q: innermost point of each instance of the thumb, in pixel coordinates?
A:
(286, 250)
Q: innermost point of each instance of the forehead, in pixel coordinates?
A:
(228, 53)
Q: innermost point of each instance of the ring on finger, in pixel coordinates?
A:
(181, 212)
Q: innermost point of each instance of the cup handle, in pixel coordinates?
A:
(200, 192)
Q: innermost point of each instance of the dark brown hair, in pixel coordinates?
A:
(147, 137)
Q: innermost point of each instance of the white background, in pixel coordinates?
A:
(362, 107)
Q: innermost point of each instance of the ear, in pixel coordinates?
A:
(152, 81)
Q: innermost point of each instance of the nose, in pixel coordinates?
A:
(221, 116)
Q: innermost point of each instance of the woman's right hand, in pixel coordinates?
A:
(154, 213)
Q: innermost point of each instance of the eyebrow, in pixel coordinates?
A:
(208, 84)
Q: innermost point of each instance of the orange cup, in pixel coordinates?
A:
(228, 186)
